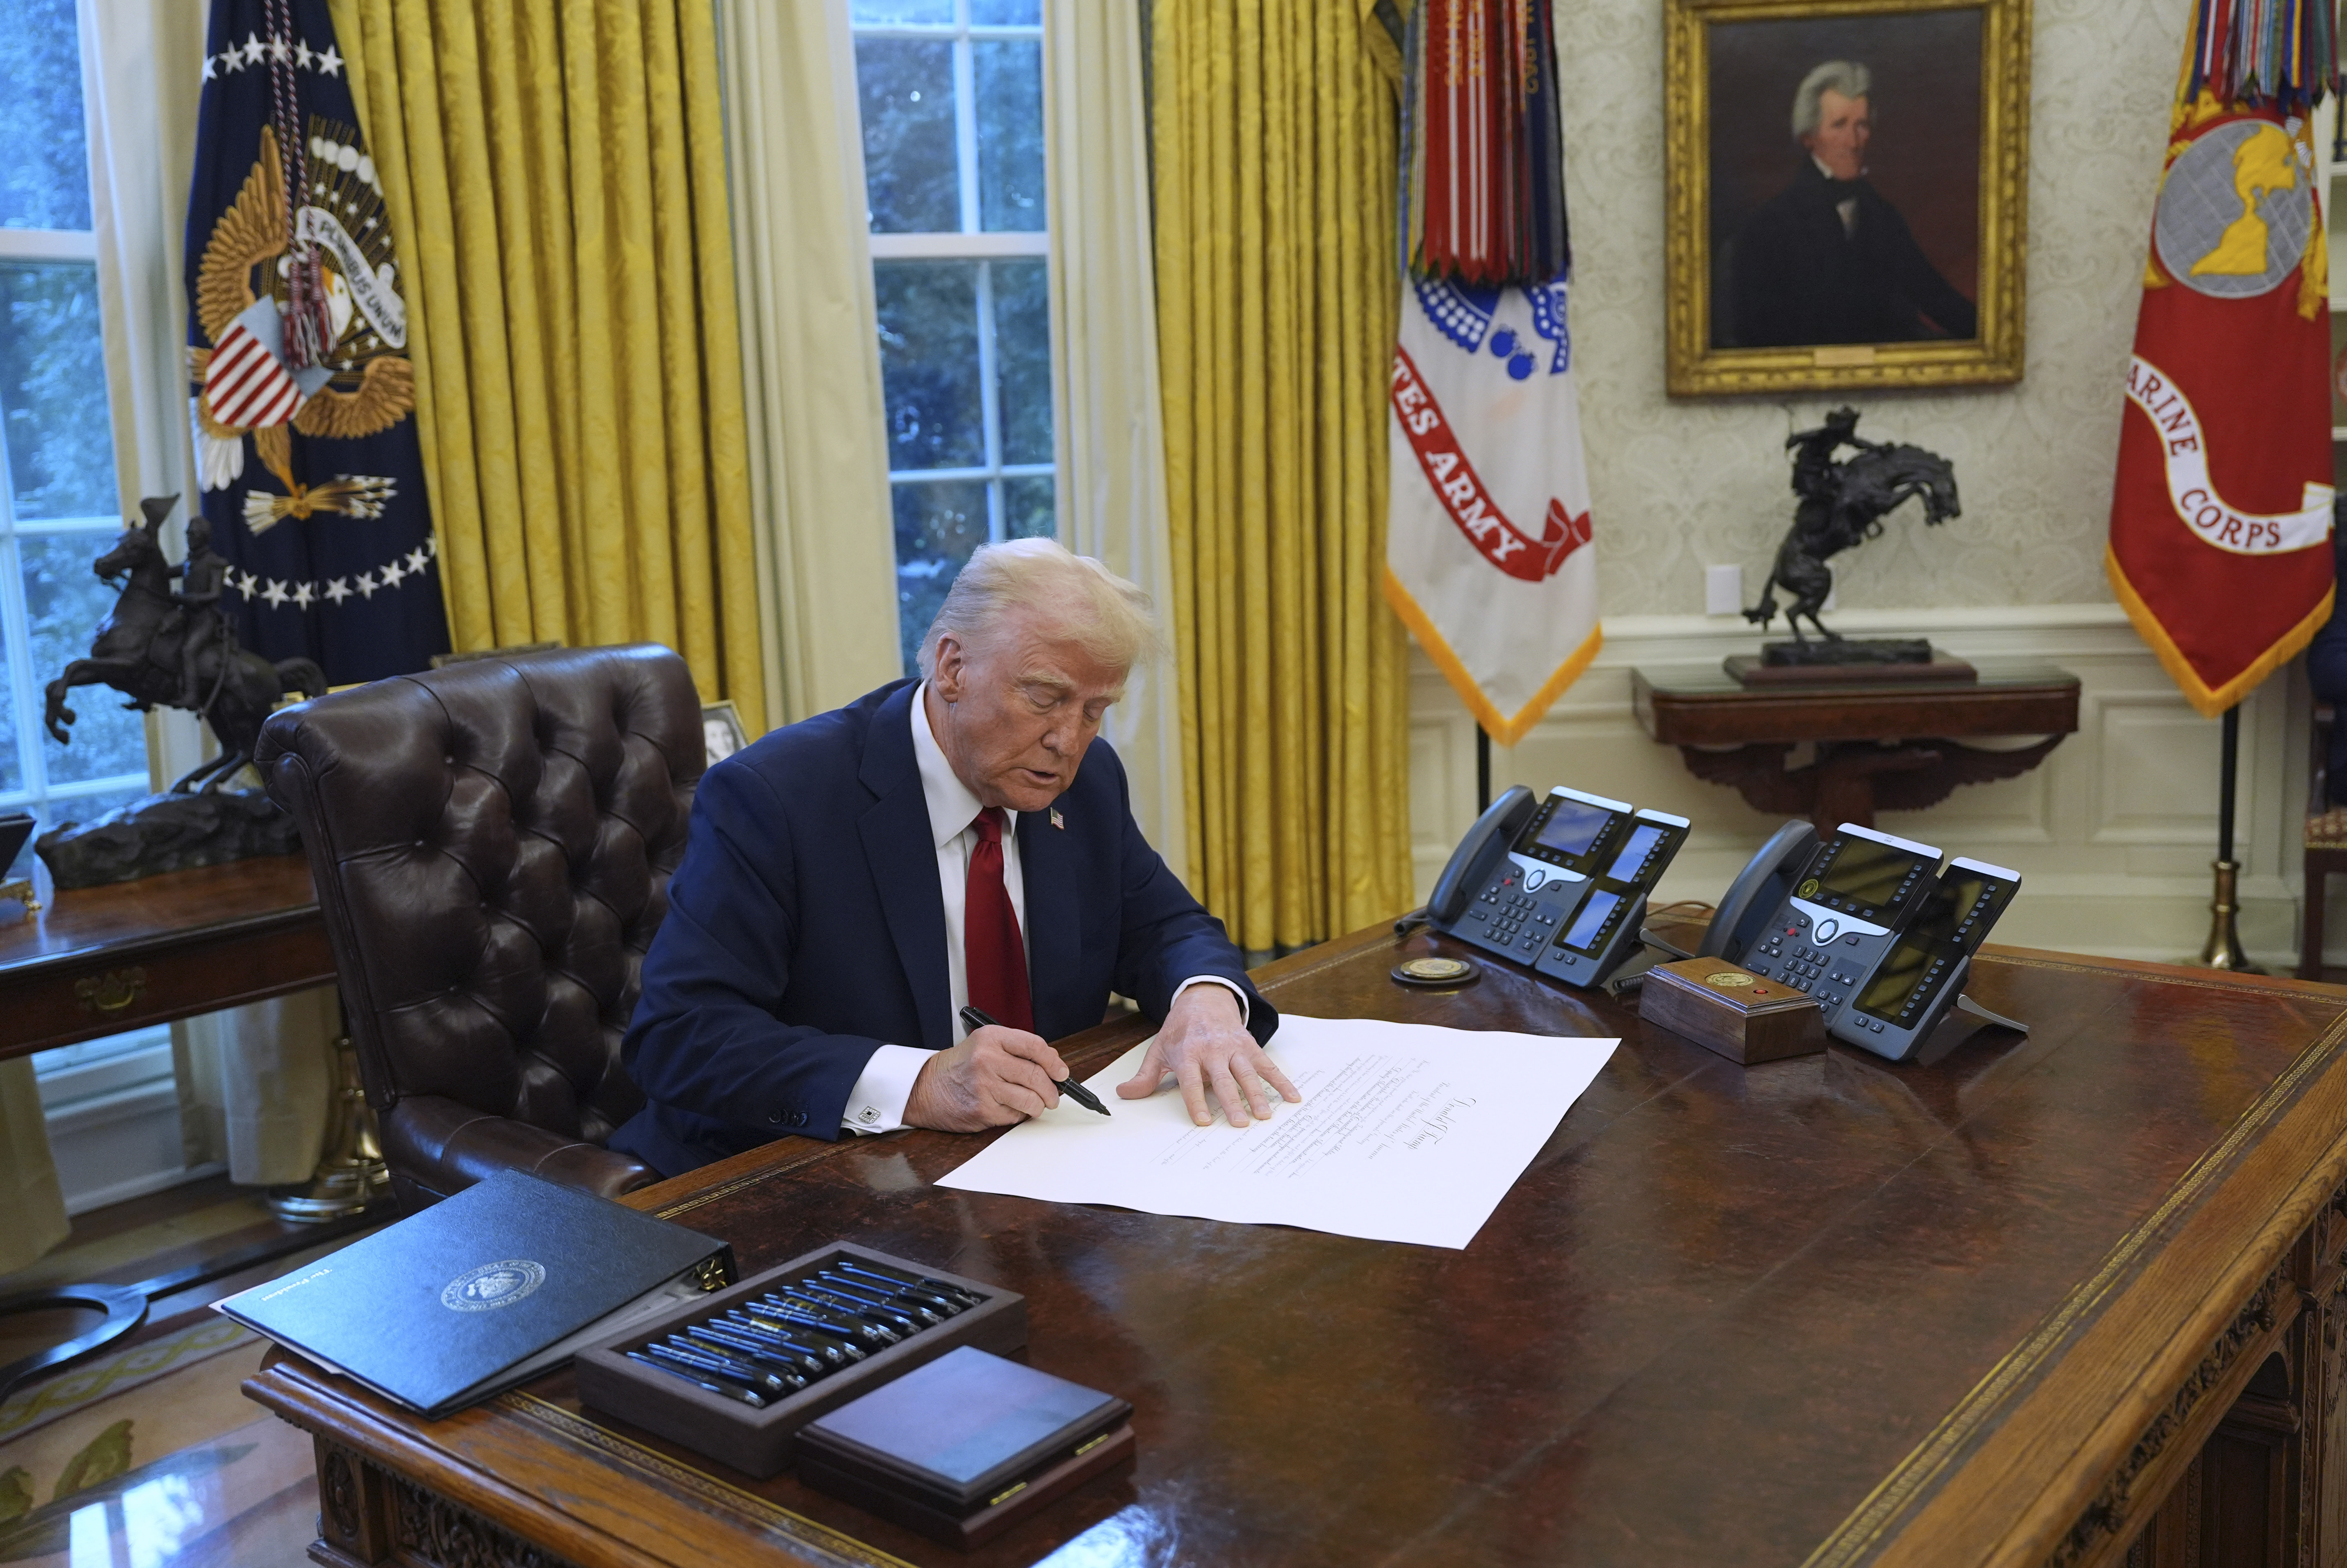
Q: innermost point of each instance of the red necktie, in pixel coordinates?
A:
(994, 959)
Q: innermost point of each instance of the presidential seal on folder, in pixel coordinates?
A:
(1746, 1017)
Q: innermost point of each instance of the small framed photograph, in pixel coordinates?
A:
(1847, 193)
(722, 730)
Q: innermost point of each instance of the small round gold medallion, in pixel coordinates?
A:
(1727, 977)
(1434, 971)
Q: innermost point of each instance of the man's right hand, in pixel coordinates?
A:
(996, 1076)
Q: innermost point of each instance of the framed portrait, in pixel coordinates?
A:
(1847, 193)
(722, 730)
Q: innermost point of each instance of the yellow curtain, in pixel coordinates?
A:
(557, 171)
(1276, 297)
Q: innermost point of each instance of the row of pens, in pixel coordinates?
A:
(772, 1346)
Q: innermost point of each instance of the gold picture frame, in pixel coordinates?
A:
(1722, 61)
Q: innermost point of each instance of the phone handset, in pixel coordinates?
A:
(1471, 863)
(1758, 891)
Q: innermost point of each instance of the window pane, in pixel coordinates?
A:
(886, 13)
(1022, 359)
(928, 363)
(45, 179)
(937, 527)
(53, 391)
(1006, 13)
(912, 177)
(12, 773)
(66, 602)
(1027, 508)
(1010, 77)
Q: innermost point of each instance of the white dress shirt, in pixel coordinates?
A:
(876, 1103)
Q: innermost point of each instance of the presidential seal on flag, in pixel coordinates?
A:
(302, 394)
(2221, 510)
(1487, 547)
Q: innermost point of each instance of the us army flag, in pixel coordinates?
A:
(2220, 519)
(300, 392)
(1487, 546)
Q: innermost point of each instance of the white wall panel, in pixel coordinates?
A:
(2112, 833)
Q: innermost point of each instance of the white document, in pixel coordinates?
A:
(1407, 1132)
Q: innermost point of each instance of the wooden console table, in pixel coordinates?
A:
(2050, 1299)
(1888, 748)
(99, 960)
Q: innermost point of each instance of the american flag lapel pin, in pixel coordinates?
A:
(1059, 822)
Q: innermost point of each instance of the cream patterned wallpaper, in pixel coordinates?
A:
(1680, 484)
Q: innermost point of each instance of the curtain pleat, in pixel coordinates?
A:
(557, 175)
(1274, 146)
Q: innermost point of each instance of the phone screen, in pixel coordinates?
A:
(1591, 920)
(1953, 921)
(1572, 826)
(1642, 842)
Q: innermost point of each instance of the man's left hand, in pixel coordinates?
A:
(1205, 1046)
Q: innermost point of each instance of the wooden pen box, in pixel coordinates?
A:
(1744, 1017)
(758, 1442)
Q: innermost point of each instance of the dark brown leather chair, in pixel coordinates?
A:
(492, 844)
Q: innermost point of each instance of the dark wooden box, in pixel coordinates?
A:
(1112, 1452)
(758, 1443)
(1744, 1017)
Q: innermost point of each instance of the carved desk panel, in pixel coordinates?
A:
(2064, 1299)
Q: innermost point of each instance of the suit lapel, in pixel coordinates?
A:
(1047, 866)
(903, 855)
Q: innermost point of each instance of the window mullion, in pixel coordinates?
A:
(965, 68)
(989, 402)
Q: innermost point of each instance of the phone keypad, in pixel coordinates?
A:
(1509, 921)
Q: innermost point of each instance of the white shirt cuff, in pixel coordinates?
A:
(877, 1104)
(1213, 980)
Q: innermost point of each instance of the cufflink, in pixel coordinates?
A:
(867, 1114)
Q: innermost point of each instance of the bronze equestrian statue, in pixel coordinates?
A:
(1843, 504)
(175, 648)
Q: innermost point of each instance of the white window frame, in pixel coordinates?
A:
(971, 243)
(26, 685)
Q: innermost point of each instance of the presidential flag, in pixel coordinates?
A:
(1488, 556)
(300, 392)
(2222, 514)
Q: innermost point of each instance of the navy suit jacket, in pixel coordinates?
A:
(805, 929)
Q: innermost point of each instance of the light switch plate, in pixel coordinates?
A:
(1723, 590)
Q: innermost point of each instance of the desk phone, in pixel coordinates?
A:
(1911, 989)
(1843, 914)
(1555, 882)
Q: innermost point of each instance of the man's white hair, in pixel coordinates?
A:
(1848, 77)
(1110, 618)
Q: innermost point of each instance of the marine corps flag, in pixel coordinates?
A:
(300, 392)
(1488, 530)
(2220, 519)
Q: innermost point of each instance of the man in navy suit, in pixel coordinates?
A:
(851, 881)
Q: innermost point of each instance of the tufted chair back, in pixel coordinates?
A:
(491, 844)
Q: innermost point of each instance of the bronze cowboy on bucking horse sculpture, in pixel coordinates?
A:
(177, 650)
(1842, 505)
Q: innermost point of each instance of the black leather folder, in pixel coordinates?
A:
(489, 1288)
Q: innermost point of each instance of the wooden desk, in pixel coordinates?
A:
(1888, 748)
(1825, 1311)
(99, 960)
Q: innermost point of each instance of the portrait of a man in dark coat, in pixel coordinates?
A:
(1829, 258)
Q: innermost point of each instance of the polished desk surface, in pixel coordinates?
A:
(1703, 706)
(1826, 1310)
(201, 939)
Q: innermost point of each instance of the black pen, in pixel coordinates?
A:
(973, 1020)
(935, 1287)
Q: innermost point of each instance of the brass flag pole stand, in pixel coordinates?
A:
(2223, 948)
(351, 1176)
